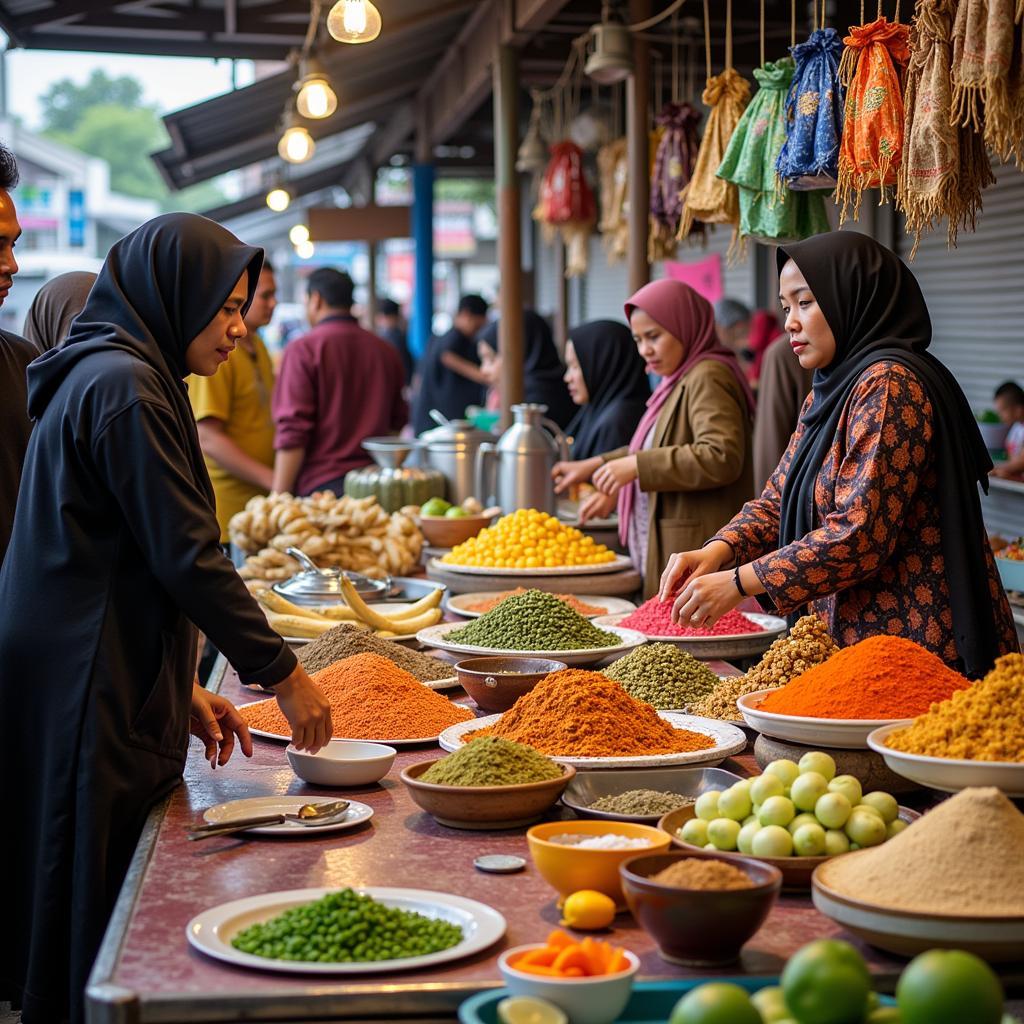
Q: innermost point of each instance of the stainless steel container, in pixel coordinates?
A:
(516, 472)
(452, 450)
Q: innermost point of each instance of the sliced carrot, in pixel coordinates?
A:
(618, 962)
(547, 972)
(573, 956)
(594, 954)
(573, 972)
(543, 957)
(559, 940)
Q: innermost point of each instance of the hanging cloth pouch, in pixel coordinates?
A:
(872, 144)
(567, 205)
(674, 161)
(766, 214)
(809, 158)
(613, 172)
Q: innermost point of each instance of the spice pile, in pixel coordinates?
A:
(663, 675)
(982, 723)
(807, 644)
(533, 621)
(346, 640)
(528, 539)
(574, 713)
(347, 926)
(654, 618)
(961, 858)
(492, 761)
(607, 841)
(371, 699)
(485, 604)
(692, 873)
(878, 678)
(641, 802)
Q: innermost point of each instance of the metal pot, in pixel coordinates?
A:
(452, 450)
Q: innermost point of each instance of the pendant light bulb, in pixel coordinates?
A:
(298, 235)
(316, 99)
(296, 145)
(305, 250)
(278, 199)
(354, 21)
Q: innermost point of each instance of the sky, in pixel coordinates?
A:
(169, 82)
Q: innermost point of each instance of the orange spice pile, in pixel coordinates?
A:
(575, 713)
(371, 699)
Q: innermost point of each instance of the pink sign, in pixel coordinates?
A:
(704, 276)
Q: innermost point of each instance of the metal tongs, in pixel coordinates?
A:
(307, 814)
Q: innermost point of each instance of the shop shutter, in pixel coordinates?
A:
(975, 293)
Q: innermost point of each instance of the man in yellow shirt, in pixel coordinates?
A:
(232, 410)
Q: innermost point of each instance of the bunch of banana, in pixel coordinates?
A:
(292, 620)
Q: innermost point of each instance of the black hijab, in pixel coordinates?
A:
(616, 382)
(158, 288)
(875, 308)
(542, 369)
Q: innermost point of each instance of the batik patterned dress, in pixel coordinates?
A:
(874, 563)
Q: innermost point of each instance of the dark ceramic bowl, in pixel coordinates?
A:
(698, 927)
(496, 683)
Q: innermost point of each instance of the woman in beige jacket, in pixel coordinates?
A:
(690, 459)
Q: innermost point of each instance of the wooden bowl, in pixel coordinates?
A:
(796, 871)
(496, 683)
(442, 532)
(484, 807)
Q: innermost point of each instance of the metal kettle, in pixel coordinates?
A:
(516, 472)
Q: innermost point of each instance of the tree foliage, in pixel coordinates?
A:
(65, 103)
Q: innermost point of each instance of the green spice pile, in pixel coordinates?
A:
(346, 640)
(533, 621)
(492, 761)
(346, 927)
(807, 644)
(638, 802)
(663, 675)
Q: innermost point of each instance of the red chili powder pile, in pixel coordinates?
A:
(654, 618)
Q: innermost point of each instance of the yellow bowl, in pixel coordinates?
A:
(568, 868)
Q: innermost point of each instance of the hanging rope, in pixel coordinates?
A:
(792, 23)
(707, 39)
(676, 79)
(728, 33)
(762, 33)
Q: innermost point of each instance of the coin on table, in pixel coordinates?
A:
(499, 863)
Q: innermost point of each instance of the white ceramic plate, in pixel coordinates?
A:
(851, 734)
(419, 741)
(728, 740)
(211, 931)
(259, 805)
(947, 774)
(620, 563)
(434, 636)
(611, 605)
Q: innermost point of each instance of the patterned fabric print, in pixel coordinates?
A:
(809, 158)
(874, 564)
(767, 213)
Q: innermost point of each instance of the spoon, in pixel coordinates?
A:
(307, 814)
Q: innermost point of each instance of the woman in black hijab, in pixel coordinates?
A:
(113, 564)
(606, 379)
(873, 516)
(542, 369)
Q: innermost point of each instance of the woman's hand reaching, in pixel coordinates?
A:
(570, 474)
(615, 475)
(216, 721)
(308, 712)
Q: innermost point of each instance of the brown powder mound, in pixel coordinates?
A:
(964, 857)
(574, 713)
(371, 699)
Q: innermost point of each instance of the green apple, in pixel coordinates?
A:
(833, 810)
(772, 841)
(849, 786)
(723, 833)
(455, 512)
(435, 507)
(765, 786)
(884, 803)
(820, 762)
(803, 818)
(808, 789)
(735, 803)
(809, 841)
(836, 842)
(745, 840)
(777, 810)
(707, 805)
(865, 829)
(695, 831)
(785, 770)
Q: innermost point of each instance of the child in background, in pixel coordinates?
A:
(1009, 403)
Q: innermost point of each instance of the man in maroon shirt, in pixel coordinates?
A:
(337, 386)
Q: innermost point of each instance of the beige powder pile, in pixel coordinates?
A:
(964, 857)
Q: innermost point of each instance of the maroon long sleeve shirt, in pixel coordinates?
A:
(337, 386)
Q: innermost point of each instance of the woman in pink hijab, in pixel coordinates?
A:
(690, 458)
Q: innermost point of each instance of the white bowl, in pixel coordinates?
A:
(593, 1000)
(343, 763)
(946, 773)
(842, 733)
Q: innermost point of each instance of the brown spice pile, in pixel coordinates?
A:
(346, 640)
(371, 699)
(697, 873)
(575, 713)
(962, 858)
(982, 723)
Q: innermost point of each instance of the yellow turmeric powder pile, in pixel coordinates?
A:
(985, 722)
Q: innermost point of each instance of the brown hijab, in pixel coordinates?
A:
(56, 304)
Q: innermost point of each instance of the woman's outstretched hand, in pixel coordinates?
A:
(705, 599)
(308, 712)
(614, 475)
(216, 721)
(569, 474)
(685, 565)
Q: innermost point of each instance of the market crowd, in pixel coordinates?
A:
(831, 463)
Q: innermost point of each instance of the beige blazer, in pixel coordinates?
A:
(699, 471)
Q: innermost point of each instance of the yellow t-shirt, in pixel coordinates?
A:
(239, 395)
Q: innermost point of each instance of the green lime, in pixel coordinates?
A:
(820, 762)
(884, 803)
(949, 987)
(717, 1002)
(770, 1003)
(827, 982)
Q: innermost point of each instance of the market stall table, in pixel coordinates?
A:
(146, 971)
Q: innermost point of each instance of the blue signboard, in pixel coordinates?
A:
(76, 218)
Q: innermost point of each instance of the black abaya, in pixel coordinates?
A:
(15, 355)
(114, 556)
(444, 389)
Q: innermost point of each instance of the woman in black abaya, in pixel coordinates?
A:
(114, 563)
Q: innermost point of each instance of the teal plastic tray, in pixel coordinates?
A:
(650, 1003)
